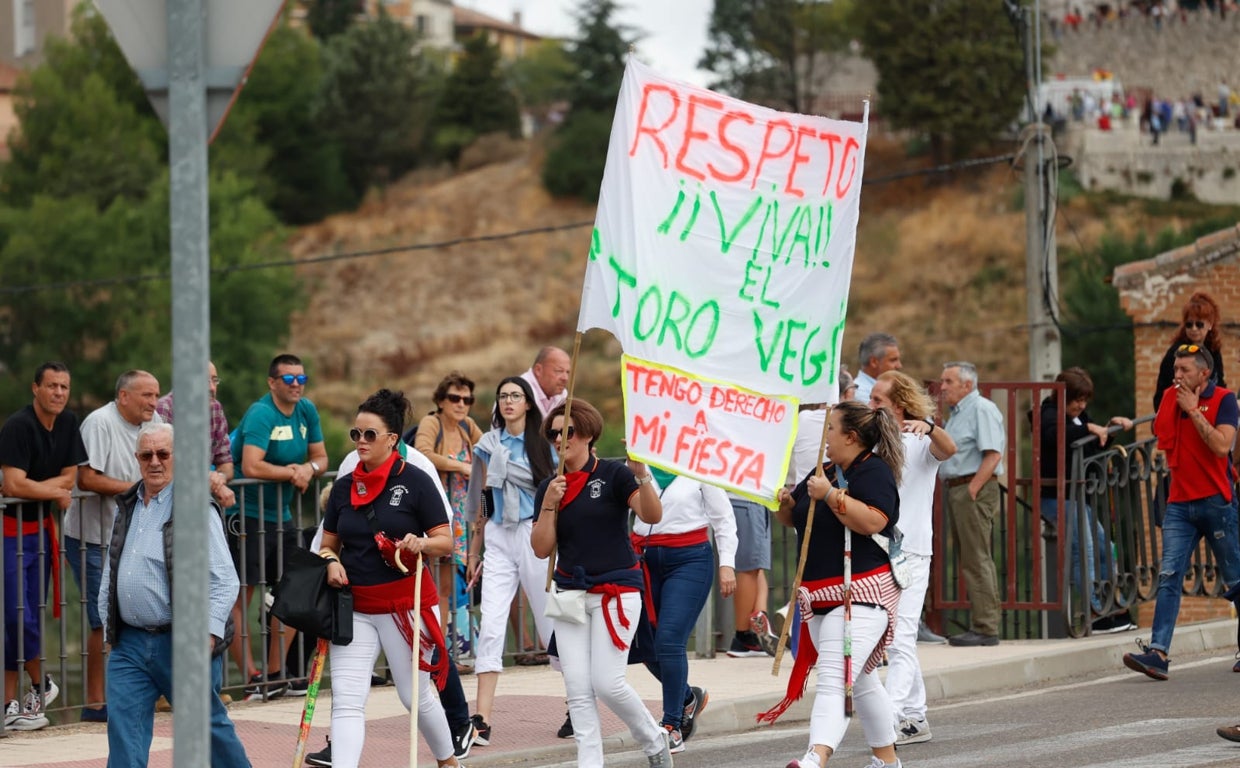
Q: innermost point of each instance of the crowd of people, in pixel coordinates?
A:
(634, 551)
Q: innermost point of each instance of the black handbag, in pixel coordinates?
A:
(305, 601)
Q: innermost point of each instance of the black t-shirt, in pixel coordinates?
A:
(43, 454)
(1074, 430)
(409, 503)
(593, 530)
(870, 481)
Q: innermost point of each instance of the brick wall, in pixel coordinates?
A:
(1162, 298)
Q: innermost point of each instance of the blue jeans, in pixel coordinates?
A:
(139, 671)
(680, 582)
(94, 574)
(22, 636)
(1095, 561)
(1185, 525)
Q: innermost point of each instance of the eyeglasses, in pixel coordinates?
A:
(455, 398)
(215, 381)
(146, 456)
(553, 434)
(366, 435)
(289, 379)
(514, 397)
(1198, 324)
(1191, 349)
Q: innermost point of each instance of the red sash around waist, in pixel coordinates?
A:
(32, 526)
(396, 598)
(640, 543)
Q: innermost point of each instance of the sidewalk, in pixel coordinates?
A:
(529, 707)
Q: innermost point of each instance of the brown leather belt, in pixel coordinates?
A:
(952, 482)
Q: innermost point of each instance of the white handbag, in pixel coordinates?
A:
(566, 605)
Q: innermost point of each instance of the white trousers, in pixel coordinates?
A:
(593, 667)
(827, 722)
(510, 562)
(905, 686)
(352, 665)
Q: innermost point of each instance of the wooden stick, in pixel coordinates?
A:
(417, 649)
(312, 695)
(848, 675)
(568, 409)
(796, 582)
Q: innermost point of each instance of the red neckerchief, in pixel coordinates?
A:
(576, 481)
(366, 486)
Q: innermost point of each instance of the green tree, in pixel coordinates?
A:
(776, 52)
(376, 90)
(328, 18)
(305, 177)
(542, 78)
(476, 100)
(951, 70)
(575, 162)
(86, 125)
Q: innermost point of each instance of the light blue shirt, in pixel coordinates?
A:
(516, 449)
(977, 426)
(144, 597)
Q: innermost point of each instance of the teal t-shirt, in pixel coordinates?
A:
(285, 440)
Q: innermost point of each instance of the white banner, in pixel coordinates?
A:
(724, 239)
(716, 432)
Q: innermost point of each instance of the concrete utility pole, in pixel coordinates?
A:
(1041, 260)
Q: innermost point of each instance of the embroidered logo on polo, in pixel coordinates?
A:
(596, 488)
(398, 492)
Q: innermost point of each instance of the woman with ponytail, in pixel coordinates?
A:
(858, 491)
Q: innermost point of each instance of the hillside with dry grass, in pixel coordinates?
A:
(942, 267)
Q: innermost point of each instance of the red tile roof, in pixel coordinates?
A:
(464, 17)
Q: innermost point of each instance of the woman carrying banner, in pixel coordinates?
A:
(384, 509)
(859, 490)
(679, 563)
(583, 515)
(509, 461)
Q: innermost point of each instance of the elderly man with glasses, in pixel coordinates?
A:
(279, 441)
(139, 628)
(1195, 427)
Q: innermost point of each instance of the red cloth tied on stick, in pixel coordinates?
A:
(396, 598)
(876, 587)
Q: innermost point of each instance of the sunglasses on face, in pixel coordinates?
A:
(515, 397)
(454, 399)
(146, 456)
(366, 435)
(553, 434)
(290, 379)
(1197, 324)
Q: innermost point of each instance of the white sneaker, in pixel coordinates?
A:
(875, 762)
(31, 702)
(11, 712)
(912, 732)
(28, 722)
(810, 760)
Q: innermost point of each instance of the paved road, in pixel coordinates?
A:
(1117, 720)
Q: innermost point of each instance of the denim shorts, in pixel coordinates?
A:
(753, 534)
(94, 575)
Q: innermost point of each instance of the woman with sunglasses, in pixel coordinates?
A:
(858, 491)
(1199, 325)
(383, 510)
(583, 516)
(509, 463)
(447, 437)
(679, 561)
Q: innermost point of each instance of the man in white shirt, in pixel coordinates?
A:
(110, 434)
(925, 447)
(549, 378)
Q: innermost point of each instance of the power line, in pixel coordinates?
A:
(103, 282)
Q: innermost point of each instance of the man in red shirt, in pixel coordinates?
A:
(1195, 427)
